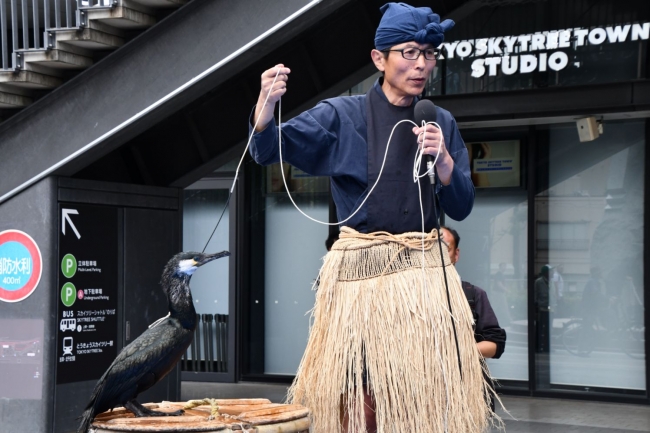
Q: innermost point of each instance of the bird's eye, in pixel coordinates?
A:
(196, 258)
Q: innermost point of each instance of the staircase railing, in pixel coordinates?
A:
(29, 25)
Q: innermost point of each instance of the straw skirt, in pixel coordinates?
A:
(382, 321)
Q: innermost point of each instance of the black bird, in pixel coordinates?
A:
(152, 355)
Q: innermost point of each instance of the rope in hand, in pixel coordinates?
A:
(241, 160)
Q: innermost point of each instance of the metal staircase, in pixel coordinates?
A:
(45, 42)
(196, 71)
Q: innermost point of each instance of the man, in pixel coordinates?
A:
(557, 291)
(490, 337)
(377, 304)
(594, 304)
(543, 307)
(331, 238)
(499, 295)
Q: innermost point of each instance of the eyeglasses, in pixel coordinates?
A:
(414, 53)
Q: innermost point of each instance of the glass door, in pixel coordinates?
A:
(494, 241)
(588, 257)
(211, 355)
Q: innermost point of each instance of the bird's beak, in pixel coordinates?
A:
(211, 257)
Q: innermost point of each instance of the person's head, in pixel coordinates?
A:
(545, 271)
(595, 272)
(406, 44)
(452, 239)
(333, 237)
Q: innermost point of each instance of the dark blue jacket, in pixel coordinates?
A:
(331, 140)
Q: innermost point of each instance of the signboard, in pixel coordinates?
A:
(544, 51)
(20, 265)
(495, 163)
(87, 299)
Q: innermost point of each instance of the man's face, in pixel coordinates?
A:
(454, 252)
(404, 78)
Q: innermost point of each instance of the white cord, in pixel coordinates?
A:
(367, 195)
(251, 136)
(416, 175)
(416, 163)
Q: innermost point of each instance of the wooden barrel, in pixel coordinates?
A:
(235, 416)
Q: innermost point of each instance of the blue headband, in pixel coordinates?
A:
(403, 23)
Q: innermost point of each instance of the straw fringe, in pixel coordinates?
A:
(378, 309)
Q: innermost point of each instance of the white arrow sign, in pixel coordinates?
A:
(66, 217)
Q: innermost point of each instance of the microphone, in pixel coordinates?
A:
(425, 111)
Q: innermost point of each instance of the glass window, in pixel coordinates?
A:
(203, 204)
(289, 247)
(493, 257)
(363, 87)
(201, 210)
(589, 259)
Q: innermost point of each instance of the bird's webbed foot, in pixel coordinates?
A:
(142, 411)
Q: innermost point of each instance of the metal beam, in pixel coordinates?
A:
(197, 139)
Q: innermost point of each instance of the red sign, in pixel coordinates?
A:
(20, 265)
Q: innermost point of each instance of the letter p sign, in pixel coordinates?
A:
(68, 294)
(69, 265)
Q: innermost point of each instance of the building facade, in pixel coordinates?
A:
(551, 98)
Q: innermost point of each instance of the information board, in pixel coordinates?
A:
(87, 299)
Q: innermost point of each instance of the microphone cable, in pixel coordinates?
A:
(434, 196)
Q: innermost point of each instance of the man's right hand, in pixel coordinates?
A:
(264, 112)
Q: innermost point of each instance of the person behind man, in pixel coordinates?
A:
(499, 295)
(490, 337)
(375, 309)
(557, 289)
(543, 305)
(331, 238)
(594, 303)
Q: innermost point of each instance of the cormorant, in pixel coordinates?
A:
(152, 355)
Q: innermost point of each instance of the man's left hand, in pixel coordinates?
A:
(431, 140)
